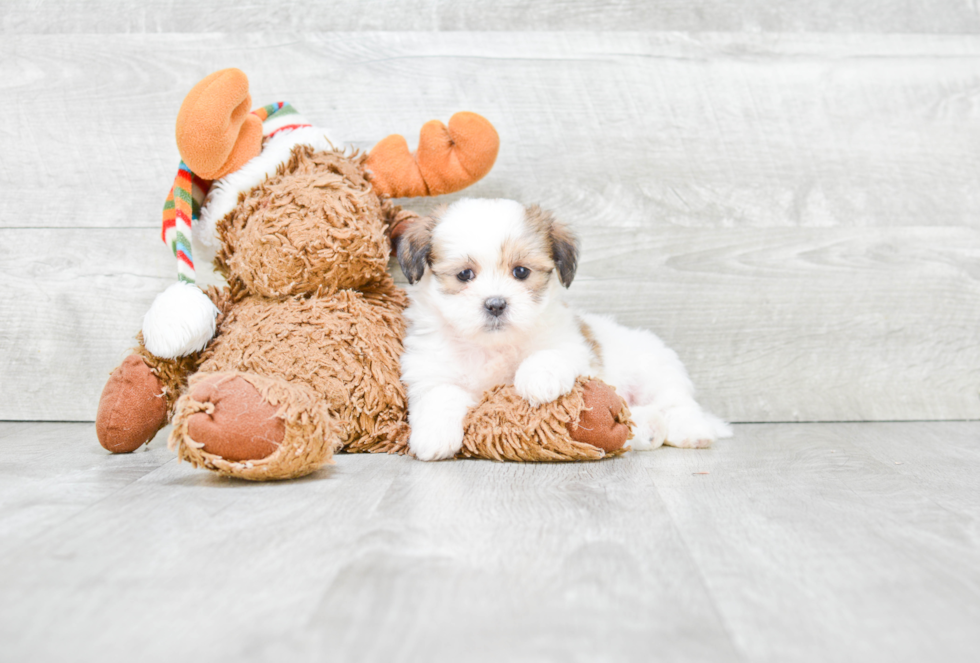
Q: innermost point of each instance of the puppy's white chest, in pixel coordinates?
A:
(483, 369)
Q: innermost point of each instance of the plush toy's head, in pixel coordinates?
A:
(283, 210)
(293, 215)
(316, 226)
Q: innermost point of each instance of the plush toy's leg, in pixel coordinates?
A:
(132, 407)
(142, 391)
(253, 427)
(139, 395)
(589, 423)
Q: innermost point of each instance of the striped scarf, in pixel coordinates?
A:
(183, 206)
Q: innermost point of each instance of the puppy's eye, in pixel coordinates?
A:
(466, 275)
(521, 273)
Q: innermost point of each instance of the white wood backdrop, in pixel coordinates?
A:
(794, 212)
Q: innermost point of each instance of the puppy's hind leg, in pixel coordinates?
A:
(651, 427)
(690, 427)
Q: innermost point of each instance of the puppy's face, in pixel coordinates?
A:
(489, 267)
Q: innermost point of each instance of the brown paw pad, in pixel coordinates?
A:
(132, 407)
(238, 423)
(599, 424)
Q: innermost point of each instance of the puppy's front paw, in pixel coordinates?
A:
(435, 440)
(436, 418)
(540, 381)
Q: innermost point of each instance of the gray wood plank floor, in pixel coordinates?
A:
(791, 542)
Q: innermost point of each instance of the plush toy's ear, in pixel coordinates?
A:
(564, 243)
(413, 246)
(448, 158)
(216, 132)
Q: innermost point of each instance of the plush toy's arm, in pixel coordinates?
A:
(140, 394)
(589, 423)
(223, 300)
(448, 158)
(180, 322)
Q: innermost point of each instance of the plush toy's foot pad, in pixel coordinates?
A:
(237, 422)
(253, 427)
(132, 407)
(603, 423)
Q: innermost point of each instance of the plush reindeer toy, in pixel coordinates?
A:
(297, 357)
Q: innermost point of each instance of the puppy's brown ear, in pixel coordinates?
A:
(413, 246)
(563, 242)
(564, 251)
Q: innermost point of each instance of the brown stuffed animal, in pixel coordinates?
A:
(298, 356)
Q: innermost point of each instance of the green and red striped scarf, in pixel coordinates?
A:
(183, 206)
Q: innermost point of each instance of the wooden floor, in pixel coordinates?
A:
(790, 542)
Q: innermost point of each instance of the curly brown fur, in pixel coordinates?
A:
(505, 427)
(315, 226)
(310, 432)
(344, 345)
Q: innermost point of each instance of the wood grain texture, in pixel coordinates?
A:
(804, 324)
(77, 301)
(364, 562)
(774, 325)
(874, 16)
(795, 214)
(52, 472)
(836, 541)
(789, 542)
(634, 129)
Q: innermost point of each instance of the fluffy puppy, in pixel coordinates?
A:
(486, 283)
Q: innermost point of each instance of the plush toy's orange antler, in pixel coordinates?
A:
(448, 159)
(216, 133)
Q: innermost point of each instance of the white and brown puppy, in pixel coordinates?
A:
(486, 309)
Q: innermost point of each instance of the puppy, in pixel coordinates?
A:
(486, 283)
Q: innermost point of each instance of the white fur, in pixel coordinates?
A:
(440, 413)
(454, 351)
(180, 321)
(223, 195)
(655, 384)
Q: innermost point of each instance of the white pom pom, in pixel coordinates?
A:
(180, 321)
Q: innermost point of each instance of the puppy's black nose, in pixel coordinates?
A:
(495, 305)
